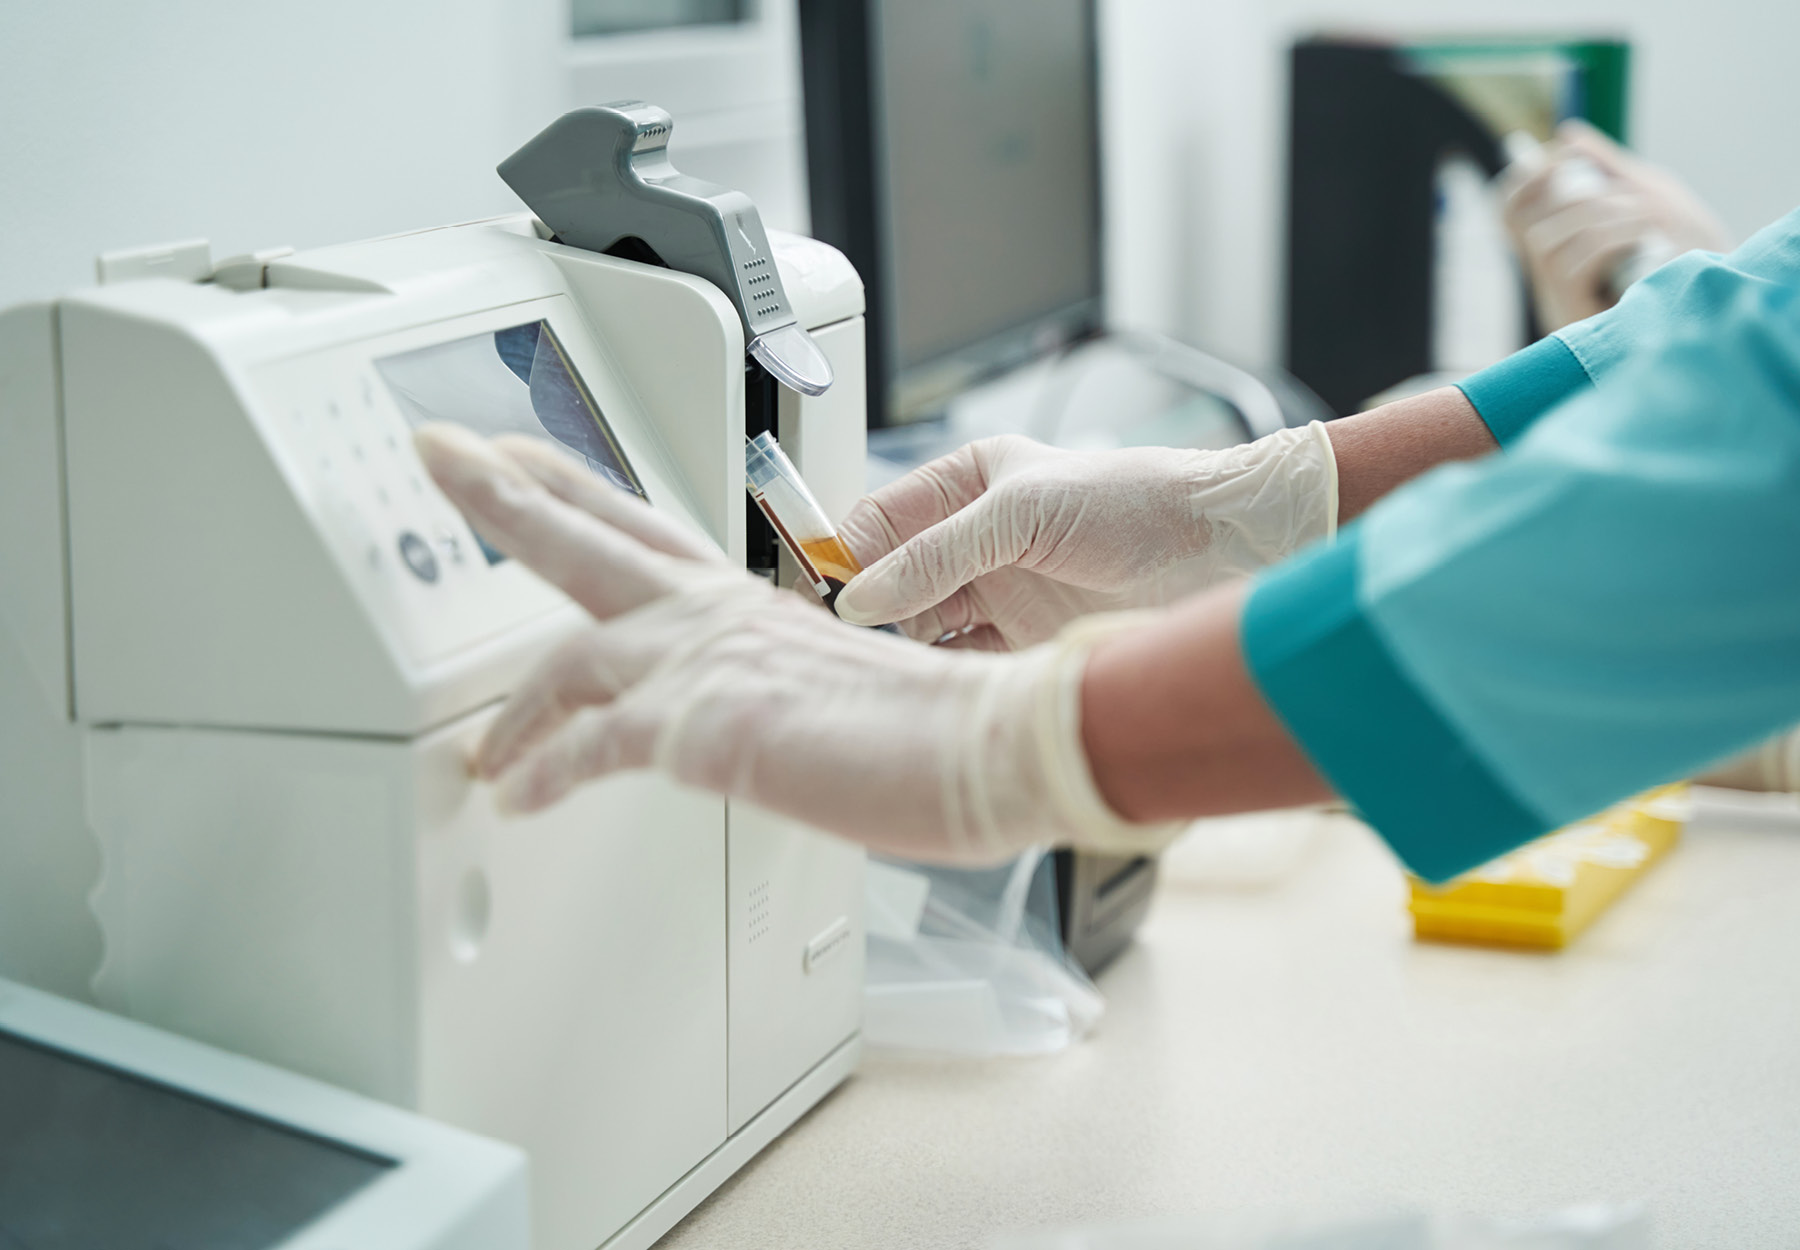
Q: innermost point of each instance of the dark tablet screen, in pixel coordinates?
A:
(95, 1158)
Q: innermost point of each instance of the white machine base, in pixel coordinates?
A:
(742, 1146)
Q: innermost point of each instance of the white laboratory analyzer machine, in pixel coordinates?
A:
(258, 646)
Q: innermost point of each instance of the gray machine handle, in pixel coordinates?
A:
(600, 175)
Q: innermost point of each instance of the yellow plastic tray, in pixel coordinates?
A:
(1544, 894)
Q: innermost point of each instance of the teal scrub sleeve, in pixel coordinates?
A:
(1507, 645)
(1692, 290)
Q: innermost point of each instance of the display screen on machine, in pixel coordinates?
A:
(517, 380)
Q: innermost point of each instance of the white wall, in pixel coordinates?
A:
(1196, 100)
(256, 124)
(734, 92)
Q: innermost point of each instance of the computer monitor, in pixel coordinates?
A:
(953, 156)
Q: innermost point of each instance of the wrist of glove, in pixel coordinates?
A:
(1007, 541)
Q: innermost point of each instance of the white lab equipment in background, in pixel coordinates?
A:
(729, 69)
(262, 645)
(111, 1130)
(1477, 308)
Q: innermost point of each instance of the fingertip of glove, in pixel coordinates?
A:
(487, 763)
(466, 464)
(441, 444)
(859, 602)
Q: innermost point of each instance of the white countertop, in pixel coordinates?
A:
(1290, 1044)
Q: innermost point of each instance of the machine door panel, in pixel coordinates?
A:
(253, 894)
(796, 953)
(573, 982)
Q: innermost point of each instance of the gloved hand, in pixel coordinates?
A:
(723, 682)
(1010, 540)
(1588, 218)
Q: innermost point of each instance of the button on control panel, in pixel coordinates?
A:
(449, 545)
(417, 554)
(408, 553)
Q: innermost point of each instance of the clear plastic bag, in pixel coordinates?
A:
(971, 961)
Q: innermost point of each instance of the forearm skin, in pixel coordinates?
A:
(1379, 450)
(1175, 728)
(1173, 724)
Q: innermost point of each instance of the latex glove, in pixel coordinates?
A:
(1011, 540)
(723, 682)
(1588, 218)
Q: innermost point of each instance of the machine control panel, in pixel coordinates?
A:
(343, 421)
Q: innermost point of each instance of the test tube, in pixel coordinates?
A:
(805, 530)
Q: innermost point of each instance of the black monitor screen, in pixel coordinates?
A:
(978, 229)
(93, 1158)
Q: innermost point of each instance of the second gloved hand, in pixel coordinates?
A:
(1588, 217)
(721, 681)
(1006, 541)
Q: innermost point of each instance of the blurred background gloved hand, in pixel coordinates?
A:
(1004, 542)
(1588, 218)
(721, 681)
